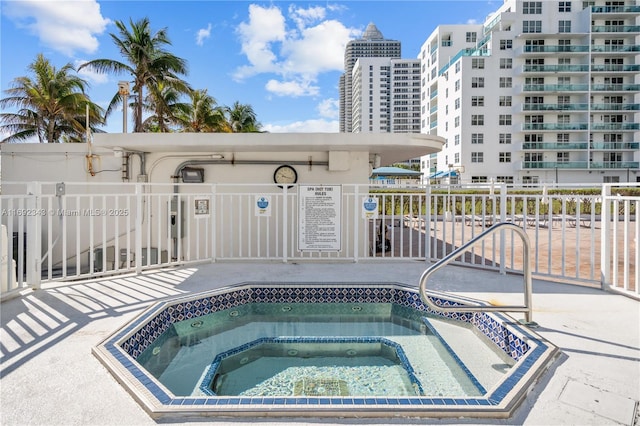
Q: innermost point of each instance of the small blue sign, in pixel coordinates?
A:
(263, 203)
(370, 204)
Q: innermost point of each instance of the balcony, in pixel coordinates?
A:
(555, 165)
(615, 107)
(555, 68)
(555, 126)
(557, 146)
(614, 9)
(615, 28)
(615, 87)
(614, 146)
(555, 107)
(615, 68)
(615, 126)
(555, 88)
(602, 48)
(556, 49)
(615, 165)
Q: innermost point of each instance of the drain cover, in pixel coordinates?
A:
(320, 387)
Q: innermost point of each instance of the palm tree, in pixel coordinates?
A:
(165, 106)
(203, 114)
(242, 118)
(148, 64)
(51, 105)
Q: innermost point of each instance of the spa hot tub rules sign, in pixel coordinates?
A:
(319, 216)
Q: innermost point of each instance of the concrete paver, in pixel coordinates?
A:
(49, 377)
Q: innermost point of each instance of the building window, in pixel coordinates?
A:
(505, 138)
(456, 122)
(533, 137)
(456, 158)
(477, 120)
(506, 63)
(564, 26)
(477, 101)
(563, 119)
(477, 81)
(506, 82)
(477, 138)
(506, 44)
(531, 26)
(531, 8)
(457, 103)
(477, 63)
(477, 157)
(458, 67)
(562, 138)
(505, 101)
(457, 85)
(504, 157)
(562, 157)
(505, 179)
(456, 141)
(479, 179)
(504, 119)
(564, 6)
(471, 37)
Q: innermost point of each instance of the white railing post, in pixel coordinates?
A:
(503, 218)
(427, 224)
(214, 223)
(605, 243)
(285, 223)
(33, 262)
(138, 230)
(356, 222)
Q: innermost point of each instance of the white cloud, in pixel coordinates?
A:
(305, 17)
(66, 26)
(203, 34)
(291, 88)
(312, 46)
(472, 21)
(88, 75)
(265, 26)
(329, 108)
(307, 126)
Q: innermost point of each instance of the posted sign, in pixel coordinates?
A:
(319, 217)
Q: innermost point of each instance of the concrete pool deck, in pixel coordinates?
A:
(50, 377)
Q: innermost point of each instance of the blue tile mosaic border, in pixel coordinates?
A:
(128, 343)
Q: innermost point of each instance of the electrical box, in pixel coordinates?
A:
(176, 216)
(97, 259)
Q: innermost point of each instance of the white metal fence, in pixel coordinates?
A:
(56, 231)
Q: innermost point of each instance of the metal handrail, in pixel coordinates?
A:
(526, 308)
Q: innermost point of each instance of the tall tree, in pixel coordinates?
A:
(203, 114)
(242, 119)
(51, 105)
(147, 62)
(165, 106)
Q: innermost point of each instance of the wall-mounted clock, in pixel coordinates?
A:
(285, 175)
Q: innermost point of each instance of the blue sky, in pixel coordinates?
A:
(282, 58)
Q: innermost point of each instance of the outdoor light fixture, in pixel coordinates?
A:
(192, 175)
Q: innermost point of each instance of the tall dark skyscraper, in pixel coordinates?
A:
(372, 44)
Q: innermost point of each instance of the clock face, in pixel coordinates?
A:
(285, 175)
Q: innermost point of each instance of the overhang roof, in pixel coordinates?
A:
(391, 147)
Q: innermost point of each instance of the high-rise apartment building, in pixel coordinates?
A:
(385, 96)
(372, 44)
(543, 91)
